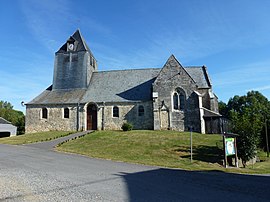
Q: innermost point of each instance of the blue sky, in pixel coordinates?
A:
(231, 38)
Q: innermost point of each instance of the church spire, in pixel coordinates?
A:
(74, 64)
(76, 42)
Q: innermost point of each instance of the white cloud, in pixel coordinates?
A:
(43, 19)
(241, 79)
(244, 74)
(260, 88)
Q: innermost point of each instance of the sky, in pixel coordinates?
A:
(231, 38)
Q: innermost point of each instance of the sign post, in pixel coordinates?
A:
(230, 149)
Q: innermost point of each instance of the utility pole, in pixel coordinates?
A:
(266, 138)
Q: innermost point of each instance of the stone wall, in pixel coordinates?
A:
(209, 102)
(205, 97)
(171, 77)
(128, 112)
(55, 120)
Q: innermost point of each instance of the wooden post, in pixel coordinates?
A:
(266, 138)
(225, 156)
(236, 157)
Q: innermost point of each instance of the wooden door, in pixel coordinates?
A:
(92, 117)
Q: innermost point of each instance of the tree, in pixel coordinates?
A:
(5, 105)
(17, 118)
(248, 114)
(223, 109)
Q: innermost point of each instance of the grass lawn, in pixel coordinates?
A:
(33, 137)
(159, 148)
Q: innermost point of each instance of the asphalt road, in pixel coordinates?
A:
(35, 174)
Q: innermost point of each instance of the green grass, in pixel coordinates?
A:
(159, 148)
(261, 167)
(33, 137)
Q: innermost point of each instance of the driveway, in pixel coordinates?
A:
(49, 145)
(29, 173)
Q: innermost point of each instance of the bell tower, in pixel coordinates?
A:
(74, 64)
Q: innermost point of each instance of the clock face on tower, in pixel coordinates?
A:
(70, 47)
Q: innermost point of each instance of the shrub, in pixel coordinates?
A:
(127, 126)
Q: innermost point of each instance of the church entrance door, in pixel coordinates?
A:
(92, 117)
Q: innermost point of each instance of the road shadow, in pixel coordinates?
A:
(179, 185)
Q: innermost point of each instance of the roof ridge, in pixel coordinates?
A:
(194, 66)
(5, 121)
(121, 70)
(206, 75)
(82, 45)
(82, 39)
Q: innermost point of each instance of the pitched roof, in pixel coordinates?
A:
(116, 86)
(174, 66)
(121, 86)
(200, 75)
(81, 44)
(50, 96)
(4, 121)
(210, 113)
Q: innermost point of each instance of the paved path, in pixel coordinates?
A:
(29, 173)
(48, 145)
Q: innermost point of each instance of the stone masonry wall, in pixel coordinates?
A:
(128, 112)
(171, 77)
(55, 121)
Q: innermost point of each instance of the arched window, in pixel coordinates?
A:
(179, 99)
(66, 113)
(141, 110)
(115, 111)
(44, 113)
(175, 101)
(182, 101)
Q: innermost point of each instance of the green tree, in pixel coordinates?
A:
(5, 105)
(223, 109)
(248, 114)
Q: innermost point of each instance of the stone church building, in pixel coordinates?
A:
(82, 98)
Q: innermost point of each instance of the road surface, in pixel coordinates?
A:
(35, 174)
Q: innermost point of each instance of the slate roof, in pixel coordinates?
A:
(116, 86)
(50, 96)
(209, 113)
(200, 76)
(121, 86)
(81, 46)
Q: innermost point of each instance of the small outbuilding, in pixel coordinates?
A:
(7, 129)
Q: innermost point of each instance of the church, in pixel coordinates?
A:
(80, 98)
